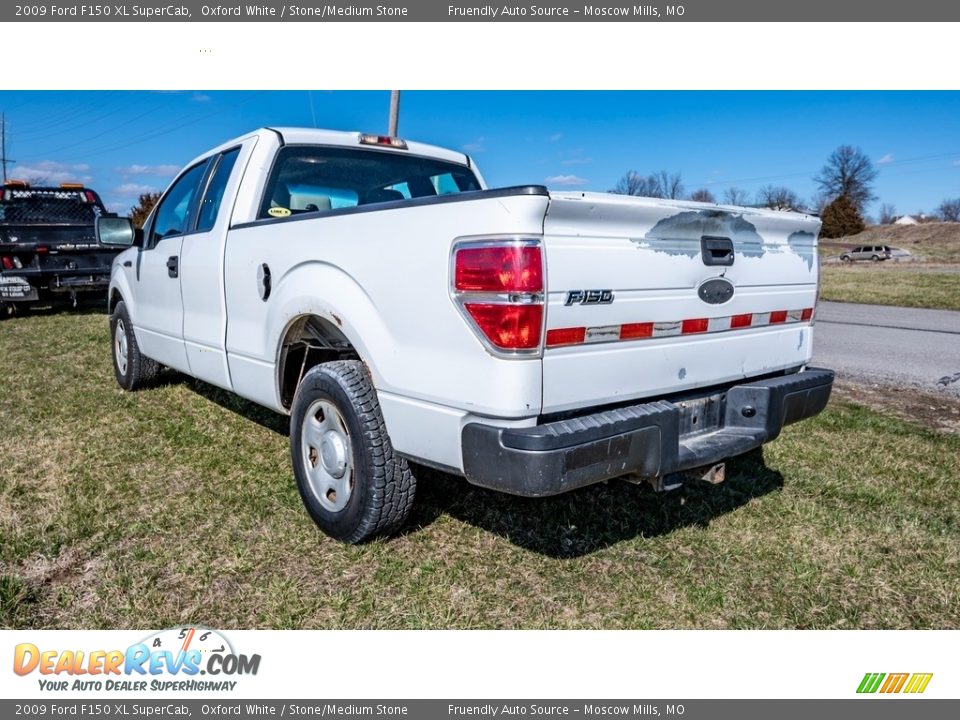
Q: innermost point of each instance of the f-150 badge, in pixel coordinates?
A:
(589, 297)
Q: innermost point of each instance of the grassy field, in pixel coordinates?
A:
(177, 505)
(906, 286)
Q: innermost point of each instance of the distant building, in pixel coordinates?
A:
(906, 220)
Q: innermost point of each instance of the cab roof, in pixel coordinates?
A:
(340, 138)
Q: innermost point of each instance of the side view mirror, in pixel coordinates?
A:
(115, 231)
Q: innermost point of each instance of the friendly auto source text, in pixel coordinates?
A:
(587, 11)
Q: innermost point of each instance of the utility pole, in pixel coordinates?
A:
(394, 112)
(3, 146)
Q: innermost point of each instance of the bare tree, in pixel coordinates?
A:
(735, 196)
(888, 214)
(818, 201)
(633, 183)
(629, 184)
(703, 195)
(38, 179)
(850, 173)
(659, 185)
(950, 210)
(777, 197)
(671, 185)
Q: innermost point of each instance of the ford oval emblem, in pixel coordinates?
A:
(716, 291)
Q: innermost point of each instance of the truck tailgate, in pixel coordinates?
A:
(647, 297)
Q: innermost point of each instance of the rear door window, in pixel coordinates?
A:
(213, 197)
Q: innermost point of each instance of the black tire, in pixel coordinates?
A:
(844, 258)
(139, 371)
(7, 310)
(376, 484)
(875, 258)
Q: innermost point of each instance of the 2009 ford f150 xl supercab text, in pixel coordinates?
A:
(533, 342)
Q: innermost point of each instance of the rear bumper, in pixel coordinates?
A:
(646, 438)
(25, 284)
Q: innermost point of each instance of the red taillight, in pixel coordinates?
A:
(566, 336)
(499, 268)
(778, 316)
(91, 198)
(697, 325)
(7, 262)
(508, 327)
(806, 314)
(498, 285)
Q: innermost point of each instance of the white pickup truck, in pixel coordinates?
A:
(533, 342)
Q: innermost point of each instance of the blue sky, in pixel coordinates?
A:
(122, 143)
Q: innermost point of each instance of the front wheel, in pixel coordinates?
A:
(352, 483)
(132, 369)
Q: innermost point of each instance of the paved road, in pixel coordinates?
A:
(900, 346)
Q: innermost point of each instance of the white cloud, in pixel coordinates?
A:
(133, 189)
(52, 171)
(157, 170)
(886, 159)
(476, 146)
(201, 97)
(565, 180)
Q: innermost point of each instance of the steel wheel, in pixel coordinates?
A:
(120, 347)
(327, 456)
(352, 484)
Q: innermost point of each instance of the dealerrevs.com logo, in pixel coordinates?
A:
(187, 658)
(909, 683)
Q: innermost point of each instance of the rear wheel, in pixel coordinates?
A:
(132, 369)
(352, 483)
(875, 258)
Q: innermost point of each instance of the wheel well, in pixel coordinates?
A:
(309, 341)
(115, 297)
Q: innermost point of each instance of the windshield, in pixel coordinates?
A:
(310, 178)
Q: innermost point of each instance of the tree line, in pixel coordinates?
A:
(844, 189)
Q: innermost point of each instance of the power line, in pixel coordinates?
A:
(157, 132)
(99, 134)
(68, 115)
(809, 173)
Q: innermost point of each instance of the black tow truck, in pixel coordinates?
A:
(48, 250)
